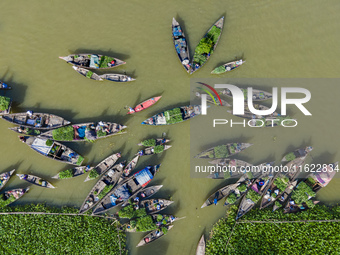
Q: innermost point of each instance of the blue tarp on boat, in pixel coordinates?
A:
(144, 176)
(94, 62)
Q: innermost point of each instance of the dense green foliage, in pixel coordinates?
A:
(221, 151)
(253, 195)
(93, 174)
(278, 204)
(281, 183)
(58, 234)
(149, 143)
(173, 116)
(4, 202)
(145, 223)
(49, 142)
(80, 160)
(218, 70)
(129, 212)
(290, 156)
(158, 149)
(30, 131)
(104, 60)
(231, 198)
(89, 74)
(101, 133)
(279, 238)
(4, 103)
(106, 190)
(302, 193)
(68, 173)
(63, 133)
(164, 230)
(242, 188)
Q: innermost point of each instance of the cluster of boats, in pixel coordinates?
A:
(83, 64)
(276, 188)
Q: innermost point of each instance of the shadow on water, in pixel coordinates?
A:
(108, 53)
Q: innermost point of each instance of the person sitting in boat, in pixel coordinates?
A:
(22, 138)
(72, 155)
(112, 63)
(29, 113)
(142, 194)
(136, 199)
(140, 153)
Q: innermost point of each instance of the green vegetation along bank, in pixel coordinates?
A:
(267, 232)
(58, 234)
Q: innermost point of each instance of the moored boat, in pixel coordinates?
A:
(26, 130)
(207, 45)
(219, 194)
(4, 178)
(200, 250)
(153, 150)
(92, 61)
(237, 193)
(155, 221)
(130, 166)
(145, 104)
(106, 182)
(53, 150)
(103, 166)
(35, 180)
(89, 131)
(228, 67)
(154, 205)
(283, 197)
(116, 77)
(154, 235)
(11, 196)
(173, 116)
(4, 85)
(125, 190)
(258, 95)
(144, 193)
(181, 44)
(41, 121)
(72, 172)
(297, 154)
(87, 73)
(224, 150)
(153, 142)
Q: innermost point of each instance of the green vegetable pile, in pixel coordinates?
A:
(129, 212)
(104, 61)
(290, 156)
(173, 116)
(106, 190)
(80, 160)
(253, 196)
(93, 174)
(158, 149)
(4, 103)
(221, 151)
(219, 70)
(63, 133)
(101, 133)
(149, 143)
(68, 173)
(231, 198)
(302, 193)
(89, 74)
(281, 183)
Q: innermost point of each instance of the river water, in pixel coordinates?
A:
(278, 39)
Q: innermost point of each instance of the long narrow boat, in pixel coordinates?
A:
(159, 220)
(224, 150)
(156, 205)
(153, 142)
(72, 172)
(41, 121)
(254, 194)
(181, 45)
(249, 115)
(145, 104)
(89, 131)
(130, 166)
(210, 41)
(87, 73)
(228, 67)
(26, 130)
(213, 100)
(116, 77)
(200, 250)
(11, 196)
(154, 235)
(173, 116)
(144, 193)
(219, 194)
(237, 193)
(125, 190)
(103, 166)
(297, 154)
(279, 202)
(5, 105)
(106, 182)
(53, 150)
(153, 150)
(92, 61)
(4, 178)
(258, 95)
(4, 85)
(35, 180)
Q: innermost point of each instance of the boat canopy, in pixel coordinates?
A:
(40, 146)
(324, 178)
(94, 62)
(144, 176)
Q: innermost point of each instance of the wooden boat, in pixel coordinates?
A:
(4, 85)
(144, 193)
(53, 150)
(254, 194)
(73, 172)
(89, 131)
(145, 104)
(228, 67)
(154, 205)
(116, 77)
(4, 178)
(297, 154)
(213, 100)
(258, 95)
(92, 61)
(11, 196)
(224, 150)
(173, 116)
(237, 193)
(26, 130)
(201, 247)
(219, 194)
(35, 180)
(249, 115)
(106, 182)
(103, 166)
(159, 219)
(181, 44)
(153, 150)
(212, 36)
(153, 235)
(41, 121)
(281, 199)
(130, 166)
(153, 142)
(87, 73)
(5, 105)
(125, 190)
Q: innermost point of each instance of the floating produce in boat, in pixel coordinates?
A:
(149, 223)
(11, 196)
(90, 131)
(92, 61)
(181, 44)
(174, 116)
(228, 67)
(26, 130)
(4, 178)
(136, 208)
(53, 150)
(4, 85)
(142, 106)
(219, 194)
(297, 154)
(224, 150)
(35, 180)
(72, 172)
(153, 150)
(206, 46)
(87, 73)
(5, 105)
(239, 191)
(116, 77)
(154, 235)
(153, 142)
(41, 121)
(258, 95)
(279, 202)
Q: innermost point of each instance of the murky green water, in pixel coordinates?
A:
(278, 39)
